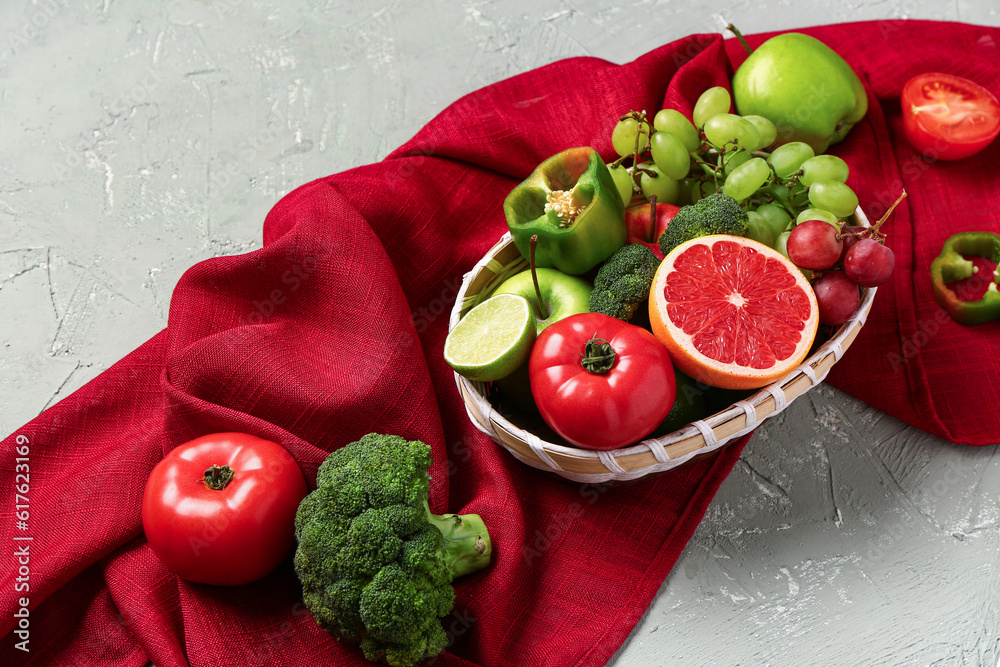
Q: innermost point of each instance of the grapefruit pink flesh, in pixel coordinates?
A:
(734, 312)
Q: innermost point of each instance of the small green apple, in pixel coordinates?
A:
(802, 86)
(562, 294)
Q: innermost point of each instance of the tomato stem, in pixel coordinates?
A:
(218, 477)
(598, 356)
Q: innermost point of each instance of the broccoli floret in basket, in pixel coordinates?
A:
(715, 214)
(623, 281)
(376, 565)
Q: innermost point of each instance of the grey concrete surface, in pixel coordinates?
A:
(139, 138)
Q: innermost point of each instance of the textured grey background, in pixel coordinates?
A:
(140, 138)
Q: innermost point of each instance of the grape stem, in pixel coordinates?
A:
(874, 229)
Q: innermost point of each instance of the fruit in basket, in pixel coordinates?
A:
(622, 283)
(948, 117)
(558, 295)
(833, 196)
(869, 263)
(715, 214)
(804, 87)
(641, 231)
(814, 245)
(732, 312)
(376, 565)
(493, 339)
(837, 298)
(712, 102)
(601, 383)
(572, 204)
(677, 124)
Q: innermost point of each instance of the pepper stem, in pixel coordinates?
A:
(598, 356)
(534, 276)
(739, 35)
(218, 477)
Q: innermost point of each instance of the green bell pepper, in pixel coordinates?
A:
(950, 266)
(570, 201)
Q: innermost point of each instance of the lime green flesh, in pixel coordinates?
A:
(492, 340)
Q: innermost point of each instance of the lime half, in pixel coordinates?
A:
(493, 339)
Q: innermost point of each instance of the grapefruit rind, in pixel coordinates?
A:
(728, 374)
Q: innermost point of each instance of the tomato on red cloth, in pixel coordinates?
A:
(220, 509)
(948, 117)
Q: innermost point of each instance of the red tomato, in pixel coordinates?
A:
(947, 117)
(233, 534)
(594, 410)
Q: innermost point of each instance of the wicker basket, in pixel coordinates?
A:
(651, 456)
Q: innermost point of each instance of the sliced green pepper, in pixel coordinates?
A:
(570, 201)
(950, 266)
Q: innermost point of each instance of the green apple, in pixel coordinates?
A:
(562, 294)
(802, 86)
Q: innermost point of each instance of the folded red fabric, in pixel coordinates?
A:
(335, 328)
(911, 360)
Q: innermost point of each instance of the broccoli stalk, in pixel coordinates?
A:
(464, 544)
(375, 563)
(715, 214)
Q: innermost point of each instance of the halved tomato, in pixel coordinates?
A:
(947, 117)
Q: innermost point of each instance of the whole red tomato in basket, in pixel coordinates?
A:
(599, 382)
(220, 509)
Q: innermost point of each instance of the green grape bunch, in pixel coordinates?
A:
(676, 160)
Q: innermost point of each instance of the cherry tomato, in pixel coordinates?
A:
(220, 509)
(599, 382)
(947, 117)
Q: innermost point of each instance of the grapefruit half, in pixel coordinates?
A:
(733, 312)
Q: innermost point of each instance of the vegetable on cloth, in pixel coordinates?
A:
(952, 266)
(355, 348)
(376, 564)
(220, 508)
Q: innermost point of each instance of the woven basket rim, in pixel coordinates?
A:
(669, 451)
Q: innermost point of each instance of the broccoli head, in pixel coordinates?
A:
(376, 565)
(623, 281)
(715, 214)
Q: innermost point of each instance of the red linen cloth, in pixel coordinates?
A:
(335, 329)
(911, 360)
